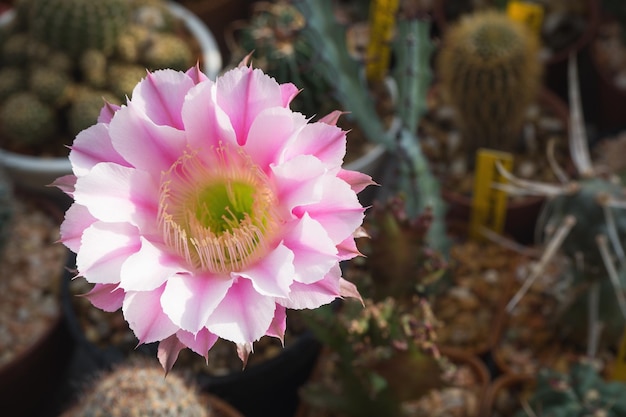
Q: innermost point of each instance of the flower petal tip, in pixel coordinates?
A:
(243, 351)
(168, 352)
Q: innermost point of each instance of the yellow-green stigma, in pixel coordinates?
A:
(217, 214)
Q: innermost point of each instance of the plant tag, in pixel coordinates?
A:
(530, 14)
(488, 203)
(619, 368)
(382, 18)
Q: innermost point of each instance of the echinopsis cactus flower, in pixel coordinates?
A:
(206, 208)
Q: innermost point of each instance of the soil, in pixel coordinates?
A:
(31, 266)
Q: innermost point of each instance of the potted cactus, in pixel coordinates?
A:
(382, 357)
(488, 95)
(61, 62)
(33, 339)
(141, 388)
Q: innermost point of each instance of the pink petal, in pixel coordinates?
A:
(144, 143)
(114, 193)
(314, 252)
(104, 249)
(348, 289)
(77, 219)
(243, 351)
(244, 315)
(160, 96)
(338, 209)
(168, 352)
(107, 112)
(348, 249)
(298, 181)
(65, 183)
(206, 124)
(325, 142)
(196, 75)
(91, 147)
(357, 180)
(148, 268)
(243, 93)
(288, 92)
(107, 297)
(269, 134)
(332, 118)
(279, 324)
(314, 295)
(189, 300)
(145, 317)
(272, 275)
(200, 343)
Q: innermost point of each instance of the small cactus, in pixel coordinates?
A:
(167, 51)
(122, 78)
(580, 393)
(78, 25)
(12, 80)
(86, 107)
(137, 389)
(25, 120)
(52, 87)
(489, 70)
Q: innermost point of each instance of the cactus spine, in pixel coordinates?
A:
(490, 72)
(141, 390)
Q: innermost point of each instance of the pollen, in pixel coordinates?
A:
(217, 210)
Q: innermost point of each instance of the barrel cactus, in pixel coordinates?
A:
(78, 25)
(141, 390)
(489, 70)
(25, 120)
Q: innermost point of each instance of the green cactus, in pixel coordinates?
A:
(122, 78)
(141, 390)
(93, 67)
(25, 120)
(167, 50)
(75, 26)
(273, 35)
(12, 80)
(52, 87)
(489, 71)
(580, 393)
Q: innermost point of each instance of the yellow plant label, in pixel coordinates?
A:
(489, 203)
(530, 14)
(382, 19)
(619, 369)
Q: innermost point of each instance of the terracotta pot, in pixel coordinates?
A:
(503, 396)
(555, 75)
(521, 214)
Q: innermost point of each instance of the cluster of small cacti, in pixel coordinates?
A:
(57, 52)
(141, 389)
(489, 71)
(273, 35)
(581, 392)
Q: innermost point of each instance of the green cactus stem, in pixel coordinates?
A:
(25, 120)
(52, 87)
(489, 71)
(75, 26)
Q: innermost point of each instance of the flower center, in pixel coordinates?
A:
(218, 212)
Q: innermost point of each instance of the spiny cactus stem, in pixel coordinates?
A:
(612, 230)
(553, 246)
(578, 141)
(603, 246)
(595, 326)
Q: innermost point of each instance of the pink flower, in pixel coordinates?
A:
(204, 209)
